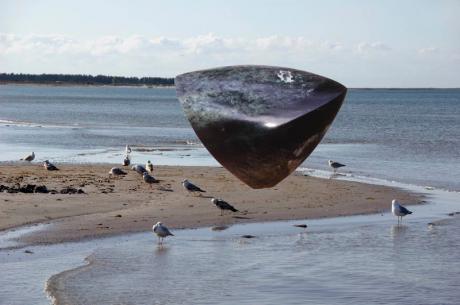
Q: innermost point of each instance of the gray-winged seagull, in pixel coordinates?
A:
(398, 210)
(149, 179)
(116, 171)
(223, 205)
(139, 169)
(29, 157)
(192, 188)
(149, 166)
(335, 165)
(161, 231)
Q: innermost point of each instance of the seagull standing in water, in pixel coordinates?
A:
(398, 210)
(223, 205)
(49, 166)
(128, 149)
(161, 231)
(335, 165)
(29, 157)
(192, 188)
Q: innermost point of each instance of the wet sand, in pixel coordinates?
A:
(127, 204)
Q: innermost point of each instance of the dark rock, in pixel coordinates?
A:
(301, 225)
(28, 188)
(41, 189)
(259, 122)
(71, 190)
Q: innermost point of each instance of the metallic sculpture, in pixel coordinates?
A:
(259, 122)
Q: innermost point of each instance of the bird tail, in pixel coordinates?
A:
(234, 210)
(409, 212)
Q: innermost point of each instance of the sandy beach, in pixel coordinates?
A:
(118, 205)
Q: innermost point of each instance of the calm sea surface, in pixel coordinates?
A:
(408, 136)
(403, 135)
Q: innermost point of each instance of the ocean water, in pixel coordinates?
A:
(403, 138)
(410, 136)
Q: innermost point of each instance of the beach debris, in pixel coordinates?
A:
(219, 228)
(398, 210)
(27, 188)
(191, 188)
(335, 165)
(49, 166)
(29, 158)
(453, 213)
(149, 179)
(126, 161)
(149, 167)
(71, 190)
(116, 171)
(139, 169)
(259, 122)
(247, 236)
(223, 206)
(161, 231)
(302, 225)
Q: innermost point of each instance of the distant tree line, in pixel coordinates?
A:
(82, 79)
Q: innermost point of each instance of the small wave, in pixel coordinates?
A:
(8, 123)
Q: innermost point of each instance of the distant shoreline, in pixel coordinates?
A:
(70, 84)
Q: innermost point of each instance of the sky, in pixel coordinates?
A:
(360, 43)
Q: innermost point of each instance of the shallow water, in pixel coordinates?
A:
(346, 260)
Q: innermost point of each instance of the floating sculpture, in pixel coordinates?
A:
(259, 122)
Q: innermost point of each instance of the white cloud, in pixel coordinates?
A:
(429, 50)
(366, 47)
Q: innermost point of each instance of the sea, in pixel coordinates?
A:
(407, 138)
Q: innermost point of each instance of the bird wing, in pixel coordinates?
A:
(404, 210)
(337, 164)
(192, 187)
(225, 205)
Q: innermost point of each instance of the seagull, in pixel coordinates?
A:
(139, 169)
(335, 165)
(29, 157)
(49, 166)
(191, 187)
(161, 231)
(223, 205)
(149, 166)
(128, 149)
(116, 171)
(398, 210)
(126, 161)
(149, 179)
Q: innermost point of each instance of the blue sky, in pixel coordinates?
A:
(359, 43)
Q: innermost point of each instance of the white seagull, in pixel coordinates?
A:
(161, 231)
(128, 149)
(192, 188)
(398, 210)
(335, 165)
(149, 166)
(29, 157)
